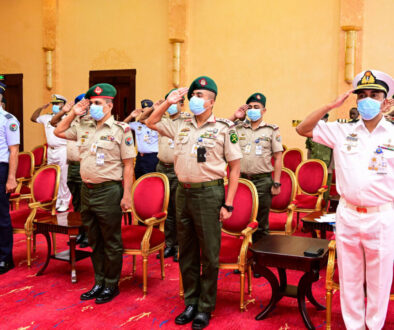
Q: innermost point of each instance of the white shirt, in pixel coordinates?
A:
(9, 134)
(354, 150)
(52, 139)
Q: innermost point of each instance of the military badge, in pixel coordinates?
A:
(129, 141)
(13, 127)
(127, 129)
(98, 90)
(233, 138)
(202, 82)
(258, 97)
(278, 138)
(368, 78)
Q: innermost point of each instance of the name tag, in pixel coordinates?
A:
(259, 150)
(247, 148)
(99, 159)
(194, 150)
(93, 148)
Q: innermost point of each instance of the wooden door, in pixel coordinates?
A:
(14, 98)
(124, 82)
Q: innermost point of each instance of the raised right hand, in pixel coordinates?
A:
(81, 107)
(341, 99)
(241, 112)
(176, 96)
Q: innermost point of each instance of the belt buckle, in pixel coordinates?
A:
(360, 209)
(187, 185)
(89, 185)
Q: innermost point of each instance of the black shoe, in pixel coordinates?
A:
(201, 320)
(236, 271)
(93, 293)
(168, 252)
(80, 238)
(6, 266)
(107, 295)
(84, 243)
(256, 275)
(187, 315)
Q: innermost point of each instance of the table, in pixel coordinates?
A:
(287, 252)
(309, 224)
(63, 223)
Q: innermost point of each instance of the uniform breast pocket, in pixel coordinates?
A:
(209, 145)
(181, 143)
(107, 148)
(350, 156)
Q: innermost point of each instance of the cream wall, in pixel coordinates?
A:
(285, 49)
(21, 52)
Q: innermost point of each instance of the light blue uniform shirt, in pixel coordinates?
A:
(9, 134)
(147, 139)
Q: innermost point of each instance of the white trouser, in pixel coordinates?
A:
(58, 156)
(365, 248)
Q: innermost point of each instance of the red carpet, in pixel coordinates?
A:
(51, 301)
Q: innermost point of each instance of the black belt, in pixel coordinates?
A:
(102, 184)
(168, 165)
(71, 162)
(194, 185)
(147, 154)
(255, 176)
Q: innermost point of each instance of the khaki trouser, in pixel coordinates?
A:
(199, 237)
(102, 215)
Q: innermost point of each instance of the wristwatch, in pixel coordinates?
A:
(277, 184)
(228, 208)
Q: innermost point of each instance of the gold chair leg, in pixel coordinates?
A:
(134, 264)
(249, 279)
(54, 242)
(328, 308)
(181, 292)
(162, 262)
(144, 274)
(28, 250)
(242, 291)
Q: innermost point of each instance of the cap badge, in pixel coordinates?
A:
(368, 78)
(203, 82)
(258, 97)
(98, 90)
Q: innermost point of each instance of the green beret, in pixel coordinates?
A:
(202, 82)
(257, 97)
(102, 91)
(174, 89)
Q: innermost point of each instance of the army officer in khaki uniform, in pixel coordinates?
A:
(259, 142)
(203, 146)
(106, 150)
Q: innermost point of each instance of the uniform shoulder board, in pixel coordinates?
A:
(273, 126)
(226, 121)
(185, 115)
(9, 116)
(123, 125)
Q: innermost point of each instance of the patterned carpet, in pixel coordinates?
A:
(52, 301)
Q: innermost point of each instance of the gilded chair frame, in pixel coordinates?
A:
(34, 206)
(243, 264)
(145, 249)
(292, 149)
(23, 181)
(290, 208)
(320, 192)
(44, 156)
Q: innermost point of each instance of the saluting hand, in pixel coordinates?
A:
(68, 106)
(177, 95)
(387, 105)
(10, 186)
(135, 113)
(224, 214)
(241, 112)
(81, 107)
(341, 99)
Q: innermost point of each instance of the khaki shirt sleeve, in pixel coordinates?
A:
(232, 149)
(168, 127)
(71, 133)
(127, 149)
(276, 141)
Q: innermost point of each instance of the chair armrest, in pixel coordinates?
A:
(156, 219)
(330, 263)
(289, 221)
(250, 229)
(34, 205)
(322, 190)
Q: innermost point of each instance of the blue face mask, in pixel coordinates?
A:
(254, 114)
(368, 108)
(96, 111)
(172, 110)
(196, 105)
(55, 108)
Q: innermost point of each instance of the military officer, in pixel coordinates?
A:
(353, 115)
(364, 164)
(147, 141)
(106, 151)
(202, 146)
(9, 148)
(259, 142)
(166, 166)
(57, 148)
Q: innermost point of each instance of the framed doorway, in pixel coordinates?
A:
(124, 82)
(14, 98)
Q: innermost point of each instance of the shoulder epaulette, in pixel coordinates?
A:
(226, 121)
(273, 126)
(185, 115)
(123, 125)
(9, 116)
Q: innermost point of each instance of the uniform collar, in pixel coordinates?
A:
(211, 119)
(110, 121)
(384, 123)
(249, 124)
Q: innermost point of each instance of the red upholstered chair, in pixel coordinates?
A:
(237, 236)
(292, 158)
(311, 177)
(150, 196)
(24, 173)
(40, 156)
(44, 187)
(282, 209)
